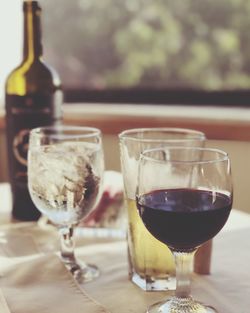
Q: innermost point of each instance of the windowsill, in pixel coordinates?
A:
(158, 111)
(218, 123)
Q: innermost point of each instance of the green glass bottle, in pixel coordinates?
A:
(33, 99)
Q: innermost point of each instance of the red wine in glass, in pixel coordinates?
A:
(184, 198)
(184, 218)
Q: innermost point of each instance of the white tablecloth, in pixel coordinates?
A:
(34, 279)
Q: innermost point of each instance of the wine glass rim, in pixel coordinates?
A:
(128, 134)
(87, 132)
(221, 155)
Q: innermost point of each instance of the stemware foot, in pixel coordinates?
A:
(180, 305)
(83, 272)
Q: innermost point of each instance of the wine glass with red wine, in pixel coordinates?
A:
(184, 198)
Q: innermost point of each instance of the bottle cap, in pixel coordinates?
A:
(34, 5)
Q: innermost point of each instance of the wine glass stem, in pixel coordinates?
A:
(184, 267)
(67, 244)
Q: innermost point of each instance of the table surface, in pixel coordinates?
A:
(227, 288)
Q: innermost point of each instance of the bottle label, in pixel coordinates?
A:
(22, 114)
(20, 146)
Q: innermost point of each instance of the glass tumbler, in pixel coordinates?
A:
(151, 265)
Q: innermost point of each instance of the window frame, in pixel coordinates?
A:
(197, 97)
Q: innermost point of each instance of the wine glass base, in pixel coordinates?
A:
(83, 272)
(180, 305)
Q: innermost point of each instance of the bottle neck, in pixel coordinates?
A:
(32, 31)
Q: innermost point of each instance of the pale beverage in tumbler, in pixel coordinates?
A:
(151, 264)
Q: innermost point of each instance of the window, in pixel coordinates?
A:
(10, 34)
(144, 51)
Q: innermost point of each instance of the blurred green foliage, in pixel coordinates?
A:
(160, 43)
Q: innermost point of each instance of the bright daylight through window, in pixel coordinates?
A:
(163, 43)
(131, 44)
(11, 31)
